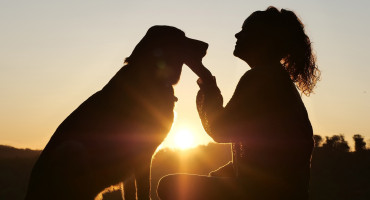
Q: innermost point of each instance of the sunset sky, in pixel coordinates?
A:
(55, 54)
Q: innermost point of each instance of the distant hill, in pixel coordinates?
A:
(340, 175)
(15, 168)
(334, 175)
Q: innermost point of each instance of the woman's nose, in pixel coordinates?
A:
(237, 35)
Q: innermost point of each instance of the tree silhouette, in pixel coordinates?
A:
(360, 144)
(336, 143)
(318, 140)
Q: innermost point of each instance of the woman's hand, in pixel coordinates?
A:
(199, 69)
(194, 54)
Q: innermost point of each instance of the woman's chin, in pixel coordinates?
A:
(240, 55)
(236, 53)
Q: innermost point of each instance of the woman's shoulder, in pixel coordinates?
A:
(265, 75)
(268, 82)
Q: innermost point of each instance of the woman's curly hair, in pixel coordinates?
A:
(294, 48)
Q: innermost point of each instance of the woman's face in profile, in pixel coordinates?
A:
(249, 40)
(240, 43)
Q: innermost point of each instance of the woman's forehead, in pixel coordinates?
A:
(252, 19)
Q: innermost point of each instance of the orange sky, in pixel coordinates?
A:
(54, 55)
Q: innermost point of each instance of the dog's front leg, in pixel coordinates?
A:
(143, 182)
(129, 189)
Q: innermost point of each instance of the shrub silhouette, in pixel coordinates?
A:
(318, 140)
(360, 144)
(336, 143)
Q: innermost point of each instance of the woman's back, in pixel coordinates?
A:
(276, 153)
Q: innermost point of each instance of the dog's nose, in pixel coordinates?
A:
(198, 43)
(196, 48)
(205, 45)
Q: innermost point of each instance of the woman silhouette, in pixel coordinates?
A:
(265, 120)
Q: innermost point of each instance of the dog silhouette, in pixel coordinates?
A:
(113, 134)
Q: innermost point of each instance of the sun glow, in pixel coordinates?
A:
(184, 139)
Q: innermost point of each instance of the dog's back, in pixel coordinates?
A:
(112, 133)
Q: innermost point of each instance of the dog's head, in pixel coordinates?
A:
(162, 52)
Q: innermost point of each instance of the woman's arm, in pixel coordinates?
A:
(238, 118)
(210, 108)
(235, 121)
(264, 103)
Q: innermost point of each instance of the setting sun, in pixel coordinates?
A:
(184, 139)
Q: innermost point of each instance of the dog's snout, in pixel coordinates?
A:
(200, 44)
(197, 44)
(204, 45)
(196, 48)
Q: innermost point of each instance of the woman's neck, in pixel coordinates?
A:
(263, 63)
